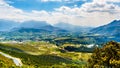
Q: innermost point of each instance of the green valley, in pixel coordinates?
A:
(42, 54)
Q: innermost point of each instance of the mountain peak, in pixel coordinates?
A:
(115, 22)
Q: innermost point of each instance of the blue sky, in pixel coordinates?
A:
(28, 5)
(77, 12)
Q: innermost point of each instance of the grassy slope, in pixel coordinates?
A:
(36, 60)
(5, 62)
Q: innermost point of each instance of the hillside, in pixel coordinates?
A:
(6, 62)
(45, 55)
(113, 28)
(44, 29)
(28, 30)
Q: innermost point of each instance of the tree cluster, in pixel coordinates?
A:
(106, 57)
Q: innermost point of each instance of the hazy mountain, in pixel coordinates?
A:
(112, 28)
(53, 28)
(21, 30)
(28, 26)
(72, 28)
(33, 24)
(46, 29)
(6, 25)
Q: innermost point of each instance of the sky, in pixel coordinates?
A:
(76, 12)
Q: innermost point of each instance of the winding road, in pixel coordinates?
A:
(17, 61)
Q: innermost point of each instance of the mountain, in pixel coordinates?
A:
(72, 28)
(28, 26)
(28, 30)
(53, 28)
(47, 29)
(112, 28)
(33, 24)
(6, 25)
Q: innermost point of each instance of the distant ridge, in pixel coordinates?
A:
(45, 29)
(6, 25)
(28, 26)
(33, 24)
(72, 28)
(113, 28)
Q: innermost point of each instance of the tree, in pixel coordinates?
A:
(106, 57)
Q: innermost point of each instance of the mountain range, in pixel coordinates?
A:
(113, 28)
(6, 25)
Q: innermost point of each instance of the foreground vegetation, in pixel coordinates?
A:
(106, 57)
(6, 63)
(46, 55)
(41, 54)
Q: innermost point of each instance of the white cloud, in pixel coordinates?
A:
(89, 14)
(106, 0)
(92, 14)
(100, 7)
